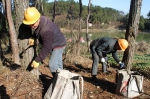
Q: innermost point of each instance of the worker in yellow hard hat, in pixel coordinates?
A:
(49, 35)
(101, 47)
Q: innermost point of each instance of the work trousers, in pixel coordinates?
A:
(55, 61)
(95, 63)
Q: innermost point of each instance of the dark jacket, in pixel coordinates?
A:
(103, 46)
(50, 36)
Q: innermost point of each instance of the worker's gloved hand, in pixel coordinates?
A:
(103, 60)
(34, 64)
(121, 65)
(31, 42)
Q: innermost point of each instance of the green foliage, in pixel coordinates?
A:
(72, 8)
(46, 7)
(140, 37)
(147, 24)
(141, 23)
(141, 61)
(148, 14)
(98, 14)
(143, 37)
(108, 34)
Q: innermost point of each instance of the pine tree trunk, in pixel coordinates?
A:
(78, 50)
(23, 31)
(13, 34)
(27, 53)
(54, 9)
(87, 28)
(131, 31)
(39, 6)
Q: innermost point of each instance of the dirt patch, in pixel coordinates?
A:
(106, 88)
(20, 84)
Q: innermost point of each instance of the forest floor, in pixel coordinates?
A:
(19, 84)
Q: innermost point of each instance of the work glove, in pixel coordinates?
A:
(31, 42)
(34, 64)
(121, 65)
(103, 60)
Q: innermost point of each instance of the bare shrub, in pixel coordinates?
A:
(143, 47)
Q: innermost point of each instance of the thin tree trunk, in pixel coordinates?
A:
(1, 53)
(13, 36)
(131, 32)
(54, 9)
(3, 1)
(39, 6)
(78, 49)
(87, 22)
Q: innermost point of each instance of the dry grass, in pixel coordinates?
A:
(144, 47)
(19, 84)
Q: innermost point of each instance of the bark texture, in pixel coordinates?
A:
(12, 32)
(131, 31)
(26, 53)
(87, 26)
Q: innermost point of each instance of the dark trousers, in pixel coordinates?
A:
(95, 63)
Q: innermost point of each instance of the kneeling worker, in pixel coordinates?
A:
(103, 46)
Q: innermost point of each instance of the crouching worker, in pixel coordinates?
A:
(103, 46)
(50, 37)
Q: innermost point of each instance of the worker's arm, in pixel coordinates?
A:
(114, 55)
(101, 48)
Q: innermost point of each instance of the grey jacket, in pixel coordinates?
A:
(103, 46)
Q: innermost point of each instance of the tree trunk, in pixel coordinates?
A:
(3, 2)
(54, 9)
(131, 32)
(1, 54)
(87, 30)
(78, 49)
(3, 29)
(39, 6)
(24, 33)
(13, 36)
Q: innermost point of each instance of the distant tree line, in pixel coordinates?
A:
(71, 9)
(106, 15)
(99, 15)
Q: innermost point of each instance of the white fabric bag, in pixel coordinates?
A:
(66, 85)
(130, 84)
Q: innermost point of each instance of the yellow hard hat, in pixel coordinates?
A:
(31, 15)
(123, 44)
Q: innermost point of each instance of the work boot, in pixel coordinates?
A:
(94, 79)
